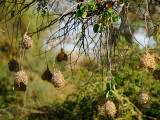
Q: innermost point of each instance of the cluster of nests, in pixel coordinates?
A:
(108, 108)
(147, 61)
(20, 77)
(56, 78)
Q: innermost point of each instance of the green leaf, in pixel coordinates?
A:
(95, 28)
(117, 80)
(114, 18)
(89, 7)
(107, 95)
(95, 7)
(79, 13)
(82, 7)
(110, 10)
(102, 16)
(101, 29)
(108, 14)
(107, 22)
(84, 14)
(12, 14)
(157, 66)
(123, 1)
(91, 3)
(116, 91)
(109, 85)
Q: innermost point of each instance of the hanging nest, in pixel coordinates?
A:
(144, 99)
(13, 66)
(102, 113)
(20, 81)
(147, 61)
(62, 56)
(101, 100)
(57, 79)
(47, 75)
(110, 108)
(156, 74)
(26, 42)
(146, 106)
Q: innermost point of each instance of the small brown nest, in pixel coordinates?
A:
(144, 99)
(156, 74)
(102, 113)
(101, 100)
(13, 66)
(147, 61)
(20, 81)
(26, 42)
(57, 79)
(47, 75)
(62, 56)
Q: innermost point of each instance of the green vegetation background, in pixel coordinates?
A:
(78, 99)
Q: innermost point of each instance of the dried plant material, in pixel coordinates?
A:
(147, 61)
(156, 74)
(26, 42)
(20, 81)
(110, 108)
(102, 113)
(47, 75)
(57, 79)
(143, 98)
(62, 56)
(13, 65)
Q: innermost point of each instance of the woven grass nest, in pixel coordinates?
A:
(102, 113)
(144, 99)
(147, 60)
(20, 81)
(47, 75)
(101, 100)
(14, 66)
(107, 110)
(26, 42)
(156, 74)
(57, 79)
(62, 56)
